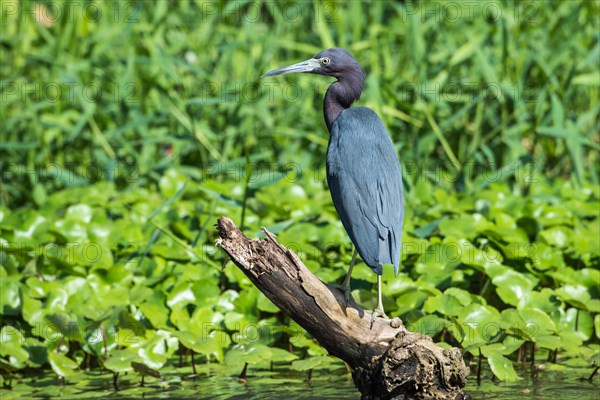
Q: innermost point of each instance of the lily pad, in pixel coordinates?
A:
(502, 367)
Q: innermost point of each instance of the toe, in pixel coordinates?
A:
(377, 313)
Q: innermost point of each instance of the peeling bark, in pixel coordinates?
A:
(388, 361)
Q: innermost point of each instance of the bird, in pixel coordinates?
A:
(363, 170)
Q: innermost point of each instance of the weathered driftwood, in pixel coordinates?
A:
(388, 362)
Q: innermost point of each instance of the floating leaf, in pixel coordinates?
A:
(61, 364)
(266, 305)
(144, 370)
(429, 325)
(309, 363)
(502, 367)
(10, 296)
(513, 287)
(12, 341)
(120, 360)
(251, 354)
(443, 304)
(538, 320)
(577, 295)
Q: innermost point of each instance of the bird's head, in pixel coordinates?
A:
(335, 62)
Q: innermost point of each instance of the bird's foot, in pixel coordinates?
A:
(377, 313)
(347, 292)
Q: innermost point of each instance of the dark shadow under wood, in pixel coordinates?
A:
(387, 361)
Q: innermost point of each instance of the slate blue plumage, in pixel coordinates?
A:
(363, 171)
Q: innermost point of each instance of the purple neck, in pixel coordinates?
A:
(341, 94)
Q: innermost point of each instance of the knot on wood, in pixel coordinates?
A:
(414, 368)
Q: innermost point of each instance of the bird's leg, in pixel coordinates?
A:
(346, 284)
(378, 311)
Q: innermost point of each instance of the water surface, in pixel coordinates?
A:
(218, 382)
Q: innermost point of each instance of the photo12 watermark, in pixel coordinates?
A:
(125, 333)
(451, 12)
(89, 253)
(69, 173)
(55, 92)
(263, 172)
(50, 13)
(266, 11)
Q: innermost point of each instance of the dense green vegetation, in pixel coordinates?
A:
(128, 129)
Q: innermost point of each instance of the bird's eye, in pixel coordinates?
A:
(325, 61)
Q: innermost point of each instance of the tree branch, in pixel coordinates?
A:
(388, 362)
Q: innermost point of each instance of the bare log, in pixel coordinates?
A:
(387, 360)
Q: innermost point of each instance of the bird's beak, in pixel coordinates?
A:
(304, 66)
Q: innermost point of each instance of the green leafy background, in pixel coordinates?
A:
(112, 182)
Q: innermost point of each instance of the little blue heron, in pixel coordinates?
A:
(363, 171)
